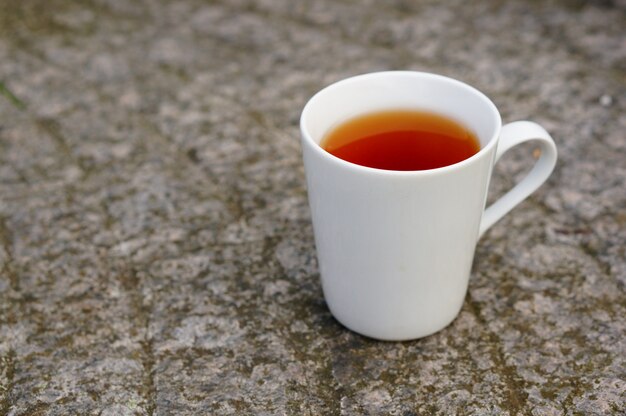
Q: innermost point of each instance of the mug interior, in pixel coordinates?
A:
(392, 90)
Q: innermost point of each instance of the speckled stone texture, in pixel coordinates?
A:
(156, 250)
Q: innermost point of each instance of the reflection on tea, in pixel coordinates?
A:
(401, 140)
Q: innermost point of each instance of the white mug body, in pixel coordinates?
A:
(395, 248)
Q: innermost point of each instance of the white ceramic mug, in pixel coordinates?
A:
(395, 248)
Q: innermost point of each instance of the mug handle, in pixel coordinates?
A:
(511, 135)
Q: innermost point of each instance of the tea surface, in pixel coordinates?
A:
(401, 140)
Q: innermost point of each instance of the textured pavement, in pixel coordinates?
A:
(156, 251)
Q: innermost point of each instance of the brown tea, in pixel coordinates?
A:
(401, 140)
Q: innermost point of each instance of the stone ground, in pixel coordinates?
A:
(155, 240)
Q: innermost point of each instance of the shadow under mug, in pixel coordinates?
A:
(395, 248)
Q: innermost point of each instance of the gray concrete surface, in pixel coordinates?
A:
(156, 250)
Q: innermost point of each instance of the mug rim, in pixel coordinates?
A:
(492, 141)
